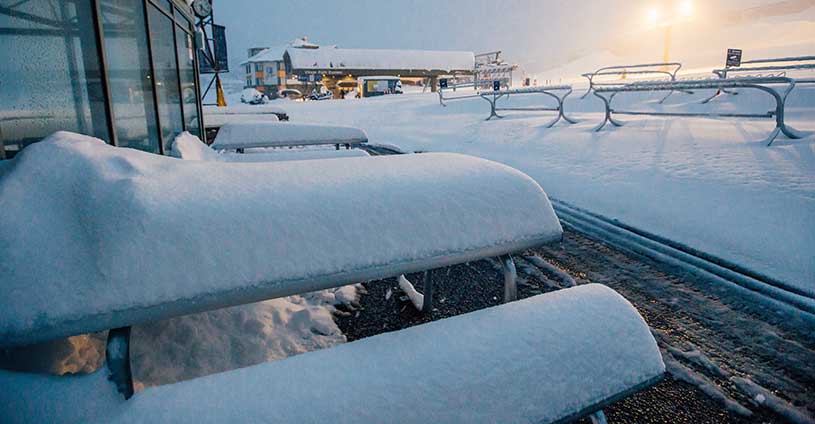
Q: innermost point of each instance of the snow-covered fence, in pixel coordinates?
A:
(621, 72)
(757, 83)
(779, 66)
(557, 92)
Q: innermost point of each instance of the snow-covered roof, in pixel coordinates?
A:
(270, 54)
(380, 59)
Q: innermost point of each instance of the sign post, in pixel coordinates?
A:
(443, 83)
(733, 58)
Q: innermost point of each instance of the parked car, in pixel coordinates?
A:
(253, 97)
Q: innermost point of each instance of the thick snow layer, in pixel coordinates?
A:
(195, 345)
(95, 236)
(189, 147)
(243, 110)
(273, 134)
(707, 183)
(537, 360)
(220, 116)
(380, 59)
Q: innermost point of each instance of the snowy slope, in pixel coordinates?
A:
(707, 183)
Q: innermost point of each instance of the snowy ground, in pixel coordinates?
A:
(191, 346)
(707, 183)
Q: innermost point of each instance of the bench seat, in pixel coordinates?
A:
(189, 147)
(549, 358)
(246, 135)
(95, 237)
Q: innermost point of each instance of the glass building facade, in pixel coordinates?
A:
(124, 71)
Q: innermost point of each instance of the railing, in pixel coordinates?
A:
(552, 91)
(783, 65)
(669, 69)
(453, 88)
(758, 83)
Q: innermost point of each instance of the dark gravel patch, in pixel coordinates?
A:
(469, 287)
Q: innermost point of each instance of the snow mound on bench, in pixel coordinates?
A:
(189, 147)
(270, 134)
(95, 236)
(541, 359)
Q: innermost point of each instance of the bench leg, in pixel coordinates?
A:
(780, 125)
(510, 279)
(421, 301)
(598, 418)
(492, 103)
(607, 118)
(117, 359)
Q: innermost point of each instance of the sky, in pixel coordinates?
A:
(539, 35)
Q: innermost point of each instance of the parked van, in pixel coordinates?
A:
(379, 86)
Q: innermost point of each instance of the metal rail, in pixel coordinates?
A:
(552, 91)
(793, 64)
(757, 83)
(639, 69)
(453, 88)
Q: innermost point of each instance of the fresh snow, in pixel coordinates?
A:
(276, 134)
(189, 147)
(380, 59)
(114, 236)
(536, 360)
(707, 183)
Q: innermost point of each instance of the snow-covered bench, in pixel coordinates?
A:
(215, 116)
(616, 75)
(764, 84)
(247, 135)
(778, 66)
(557, 92)
(190, 147)
(96, 237)
(547, 359)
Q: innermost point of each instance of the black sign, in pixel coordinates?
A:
(221, 58)
(733, 58)
(443, 83)
(496, 85)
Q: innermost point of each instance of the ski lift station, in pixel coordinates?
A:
(305, 65)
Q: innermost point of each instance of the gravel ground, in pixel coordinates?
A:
(741, 337)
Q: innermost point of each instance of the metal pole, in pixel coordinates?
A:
(510, 279)
(117, 360)
(103, 69)
(152, 77)
(427, 292)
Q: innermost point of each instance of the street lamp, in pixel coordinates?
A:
(667, 18)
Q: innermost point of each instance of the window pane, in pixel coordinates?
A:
(131, 86)
(49, 78)
(189, 93)
(169, 98)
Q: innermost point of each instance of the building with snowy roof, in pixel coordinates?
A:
(335, 64)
